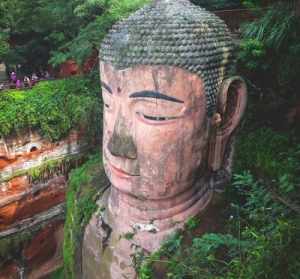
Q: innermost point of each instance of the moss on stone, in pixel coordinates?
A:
(86, 184)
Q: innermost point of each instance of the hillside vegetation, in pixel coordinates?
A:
(52, 107)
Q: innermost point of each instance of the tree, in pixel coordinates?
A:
(270, 49)
(43, 31)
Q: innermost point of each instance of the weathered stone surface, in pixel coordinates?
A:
(33, 202)
(44, 254)
(27, 225)
(27, 151)
(110, 242)
(10, 271)
(38, 257)
(13, 189)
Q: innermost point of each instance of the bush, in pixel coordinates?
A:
(270, 50)
(52, 107)
(58, 274)
(263, 151)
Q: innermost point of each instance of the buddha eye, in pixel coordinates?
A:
(155, 118)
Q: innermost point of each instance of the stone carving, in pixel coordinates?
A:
(170, 113)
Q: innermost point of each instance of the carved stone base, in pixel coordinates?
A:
(103, 247)
(111, 240)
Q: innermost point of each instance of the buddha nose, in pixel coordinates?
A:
(121, 143)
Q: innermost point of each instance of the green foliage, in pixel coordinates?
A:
(276, 33)
(58, 274)
(12, 245)
(274, 28)
(251, 4)
(192, 223)
(4, 46)
(8, 11)
(36, 27)
(128, 235)
(274, 158)
(266, 219)
(252, 54)
(53, 107)
(257, 148)
(57, 30)
(91, 32)
(84, 188)
(263, 226)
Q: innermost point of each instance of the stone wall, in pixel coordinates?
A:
(33, 176)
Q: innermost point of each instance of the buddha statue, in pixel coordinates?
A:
(171, 109)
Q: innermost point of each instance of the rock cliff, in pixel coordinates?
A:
(33, 179)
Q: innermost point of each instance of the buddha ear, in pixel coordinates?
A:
(231, 105)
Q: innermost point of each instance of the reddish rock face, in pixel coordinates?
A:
(40, 257)
(27, 205)
(19, 197)
(44, 246)
(15, 151)
(293, 116)
(10, 271)
(69, 68)
(33, 174)
(91, 62)
(13, 188)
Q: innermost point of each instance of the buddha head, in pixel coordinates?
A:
(171, 106)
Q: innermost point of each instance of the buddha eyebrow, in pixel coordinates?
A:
(154, 95)
(106, 87)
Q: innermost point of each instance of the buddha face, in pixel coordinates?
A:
(156, 129)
